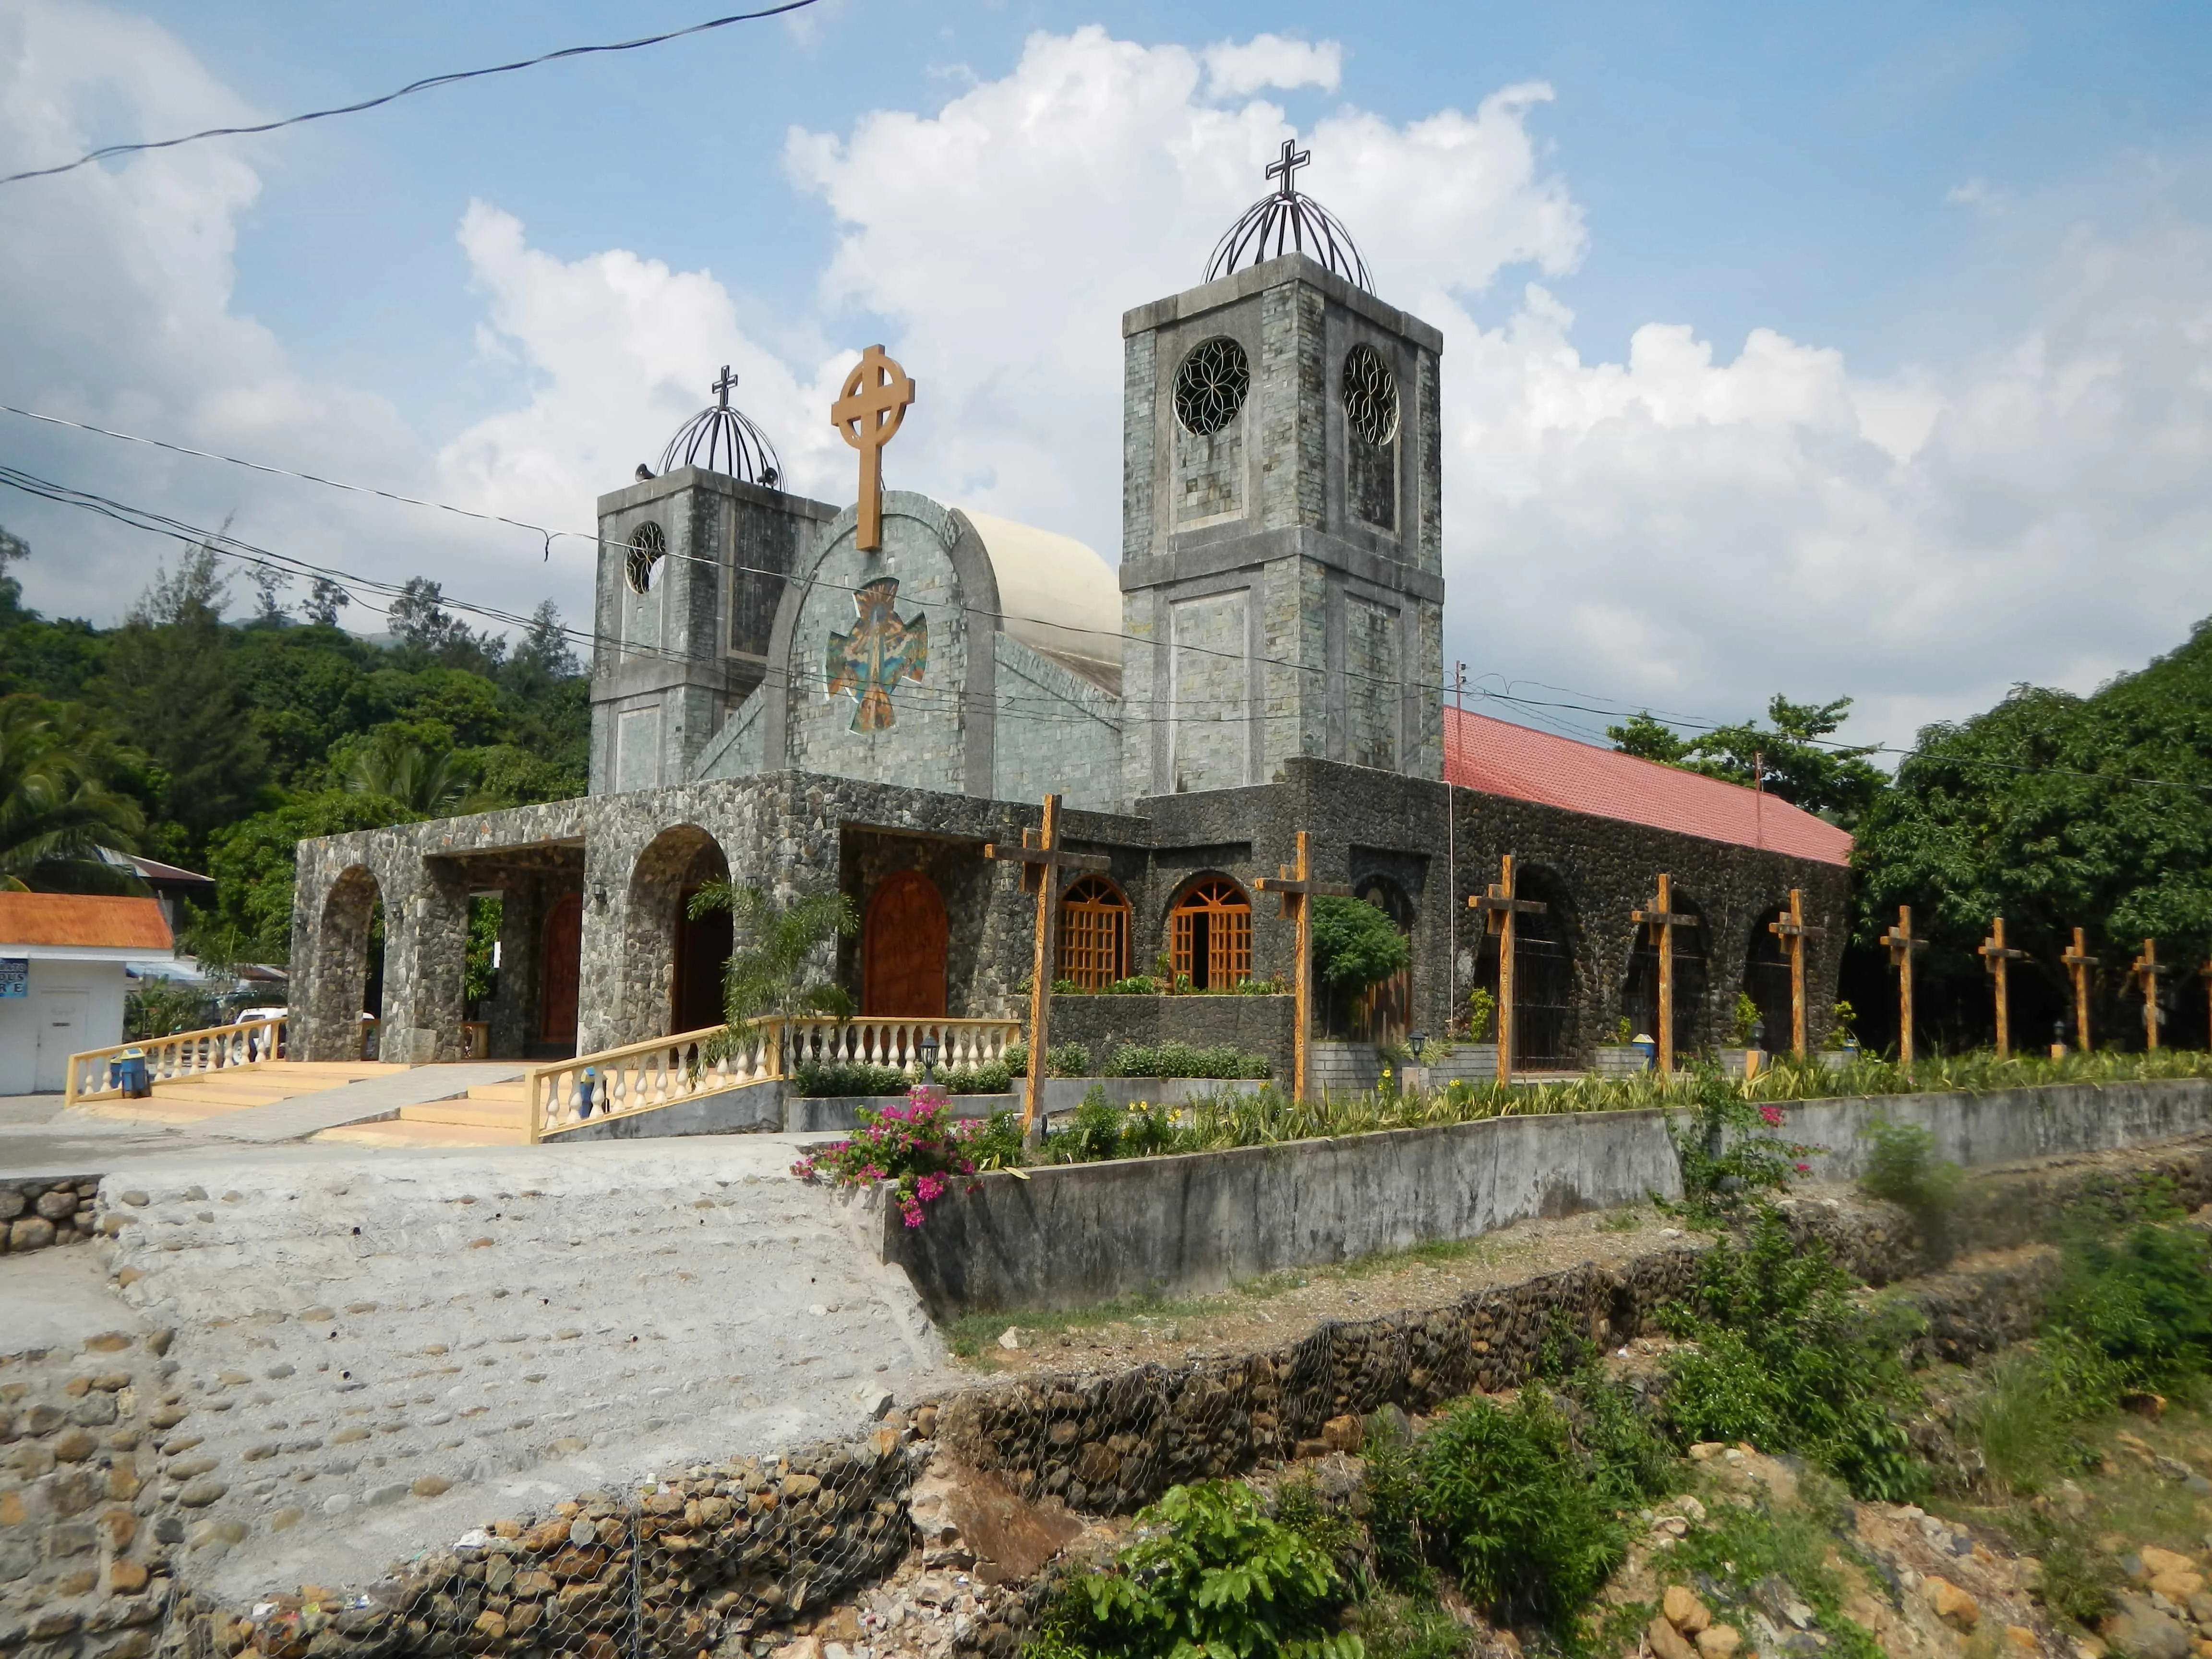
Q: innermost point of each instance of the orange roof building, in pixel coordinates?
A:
(63, 978)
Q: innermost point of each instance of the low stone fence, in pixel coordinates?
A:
(46, 1209)
(1193, 1224)
(1255, 1024)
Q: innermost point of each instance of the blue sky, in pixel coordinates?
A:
(1883, 324)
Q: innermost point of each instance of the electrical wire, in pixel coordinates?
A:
(109, 152)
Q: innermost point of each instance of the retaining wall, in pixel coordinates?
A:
(45, 1211)
(1071, 1235)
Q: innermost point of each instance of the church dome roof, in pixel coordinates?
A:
(1284, 221)
(1057, 595)
(724, 440)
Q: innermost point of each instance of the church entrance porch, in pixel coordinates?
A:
(673, 966)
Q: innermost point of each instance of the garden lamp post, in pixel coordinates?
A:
(2058, 1038)
(929, 1057)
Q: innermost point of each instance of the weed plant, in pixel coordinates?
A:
(1902, 1168)
(1786, 1360)
(1742, 1554)
(1209, 1572)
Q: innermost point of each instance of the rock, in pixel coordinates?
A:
(75, 1446)
(806, 1647)
(285, 1520)
(136, 1200)
(1954, 1607)
(126, 1577)
(1718, 1640)
(2141, 1630)
(1706, 1451)
(1010, 1338)
(199, 1494)
(2143, 1403)
(1683, 1610)
(58, 1207)
(2156, 1561)
(1665, 1642)
(430, 1486)
(376, 1497)
(1342, 1433)
(2021, 1637)
(2176, 1587)
(33, 1232)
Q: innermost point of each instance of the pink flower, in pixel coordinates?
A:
(912, 1212)
(1804, 1169)
(1771, 1117)
(928, 1187)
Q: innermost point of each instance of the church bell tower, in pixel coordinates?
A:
(1281, 558)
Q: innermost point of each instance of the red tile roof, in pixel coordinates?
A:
(91, 919)
(1501, 758)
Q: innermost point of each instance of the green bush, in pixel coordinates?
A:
(1902, 1168)
(815, 1080)
(1222, 1061)
(1725, 1147)
(2143, 1300)
(1098, 1130)
(2023, 1420)
(1210, 1573)
(1785, 1359)
(1061, 1059)
(1502, 1498)
(1355, 944)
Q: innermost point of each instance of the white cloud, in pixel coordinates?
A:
(1238, 69)
(1979, 195)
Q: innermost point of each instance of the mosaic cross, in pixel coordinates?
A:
(868, 663)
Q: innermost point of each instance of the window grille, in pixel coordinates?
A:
(1210, 934)
(1094, 934)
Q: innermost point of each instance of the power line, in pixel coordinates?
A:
(111, 151)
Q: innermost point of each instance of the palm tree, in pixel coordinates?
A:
(56, 810)
(433, 783)
(780, 966)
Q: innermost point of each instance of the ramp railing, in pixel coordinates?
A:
(97, 1073)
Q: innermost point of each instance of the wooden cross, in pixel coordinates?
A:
(724, 386)
(1996, 958)
(2144, 971)
(1662, 922)
(1498, 907)
(1902, 944)
(1043, 859)
(1790, 927)
(1285, 167)
(867, 414)
(2078, 963)
(1296, 888)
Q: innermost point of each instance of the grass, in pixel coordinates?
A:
(1741, 1549)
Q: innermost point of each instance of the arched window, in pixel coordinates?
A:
(1094, 934)
(1210, 934)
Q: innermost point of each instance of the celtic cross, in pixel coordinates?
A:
(867, 415)
(1287, 166)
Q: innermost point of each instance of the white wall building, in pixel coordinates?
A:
(62, 979)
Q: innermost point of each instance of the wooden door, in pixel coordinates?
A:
(903, 950)
(560, 956)
(703, 944)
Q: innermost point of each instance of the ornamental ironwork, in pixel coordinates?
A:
(1284, 221)
(724, 440)
(648, 544)
(1211, 386)
(1370, 396)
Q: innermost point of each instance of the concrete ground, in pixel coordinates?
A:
(380, 1352)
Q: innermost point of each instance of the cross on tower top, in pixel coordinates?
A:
(1285, 167)
(724, 385)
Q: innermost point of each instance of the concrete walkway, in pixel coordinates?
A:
(354, 1103)
(524, 1324)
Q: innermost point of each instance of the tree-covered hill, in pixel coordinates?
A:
(218, 741)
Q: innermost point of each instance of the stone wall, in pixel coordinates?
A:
(1252, 1024)
(43, 1211)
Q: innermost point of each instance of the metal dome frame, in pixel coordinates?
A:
(724, 440)
(1284, 221)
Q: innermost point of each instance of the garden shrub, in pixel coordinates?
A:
(1098, 1129)
(918, 1146)
(1502, 1498)
(1902, 1168)
(2143, 1300)
(843, 1079)
(1785, 1360)
(1210, 1573)
(1725, 1146)
(1222, 1061)
(1061, 1059)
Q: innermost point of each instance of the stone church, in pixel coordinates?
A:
(795, 695)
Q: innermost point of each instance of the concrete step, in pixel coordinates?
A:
(490, 1114)
(514, 1094)
(405, 1133)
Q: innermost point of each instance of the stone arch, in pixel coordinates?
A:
(349, 973)
(669, 964)
(1209, 932)
(1547, 1021)
(1766, 976)
(1639, 986)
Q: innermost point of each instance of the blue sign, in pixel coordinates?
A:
(15, 976)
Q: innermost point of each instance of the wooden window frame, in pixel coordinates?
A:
(1228, 910)
(1094, 933)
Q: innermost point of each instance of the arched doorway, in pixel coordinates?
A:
(1639, 991)
(1384, 1012)
(1094, 933)
(1210, 934)
(1546, 1030)
(672, 975)
(902, 945)
(559, 957)
(1766, 977)
(347, 1001)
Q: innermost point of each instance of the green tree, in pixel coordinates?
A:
(1789, 758)
(254, 863)
(168, 682)
(57, 810)
(1355, 944)
(429, 782)
(779, 966)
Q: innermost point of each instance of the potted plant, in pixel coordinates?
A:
(1627, 1053)
(1749, 1057)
